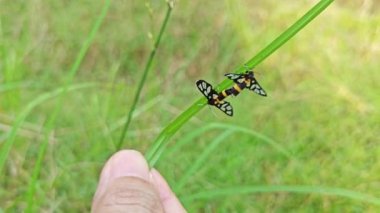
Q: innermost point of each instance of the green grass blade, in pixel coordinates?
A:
(153, 153)
(189, 137)
(145, 74)
(322, 190)
(288, 34)
(258, 135)
(32, 185)
(13, 85)
(7, 146)
(201, 159)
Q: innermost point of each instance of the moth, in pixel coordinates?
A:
(242, 81)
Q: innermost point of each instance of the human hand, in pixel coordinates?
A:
(127, 185)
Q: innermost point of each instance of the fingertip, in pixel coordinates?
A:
(128, 163)
(124, 163)
(161, 184)
(169, 200)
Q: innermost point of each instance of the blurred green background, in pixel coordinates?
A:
(322, 111)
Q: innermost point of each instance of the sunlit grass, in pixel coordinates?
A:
(239, 190)
(163, 138)
(311, 145)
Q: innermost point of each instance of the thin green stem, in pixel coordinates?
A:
(143, 78)
(161, 141)
(53, 118)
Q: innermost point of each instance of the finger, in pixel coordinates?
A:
(122, 163)
(129, 194)
(125, 185)
(169, 201)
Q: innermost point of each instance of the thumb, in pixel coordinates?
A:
(124, 186)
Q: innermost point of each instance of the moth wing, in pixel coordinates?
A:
(237, 78)
(255, 87)
(206, 89)
(226, 108)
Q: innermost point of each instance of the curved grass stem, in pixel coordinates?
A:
(160, 143)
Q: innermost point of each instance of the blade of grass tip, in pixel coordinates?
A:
(148, 66)
(7, 146)
(176, 124)
(52, 119)
(322, 190)
(280, 40)
(201, 160)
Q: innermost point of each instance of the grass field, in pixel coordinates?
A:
(312, 145)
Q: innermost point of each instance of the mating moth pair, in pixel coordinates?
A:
(242, 81)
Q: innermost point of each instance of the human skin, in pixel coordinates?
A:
(128, 185)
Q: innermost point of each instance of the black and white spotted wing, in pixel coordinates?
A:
(251, 82)
(237, 78)
(206, 89)
(212, 97)
(225, 107)
(255, 87)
